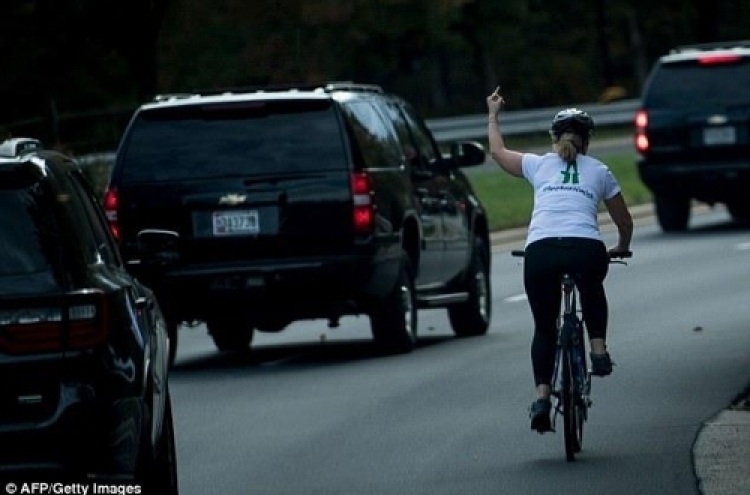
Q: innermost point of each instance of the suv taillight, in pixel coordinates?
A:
(111, 204)
(641, 123)
(79, 323)
(363, 207)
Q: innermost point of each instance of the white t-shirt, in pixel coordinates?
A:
(567, 197)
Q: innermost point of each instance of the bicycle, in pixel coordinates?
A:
(571, 380)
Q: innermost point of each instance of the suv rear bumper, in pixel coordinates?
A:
(291, 289)
(84, 434)
(705, 181)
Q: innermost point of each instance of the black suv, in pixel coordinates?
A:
(287, 204)
(83, 344)
(693, 131)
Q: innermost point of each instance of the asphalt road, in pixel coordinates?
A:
(315, 411)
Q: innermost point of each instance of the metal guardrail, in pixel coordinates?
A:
(513, 122)
(529, 121)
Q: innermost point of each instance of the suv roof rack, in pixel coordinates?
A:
(235, 90)
(259, 89)
(326, 87)
(352, 86)
(716, 45)
(172, 96)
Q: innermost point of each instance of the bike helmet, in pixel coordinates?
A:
(572, 119)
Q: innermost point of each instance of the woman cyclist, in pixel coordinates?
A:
(564, 236)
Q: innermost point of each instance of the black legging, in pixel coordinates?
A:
(545, 261)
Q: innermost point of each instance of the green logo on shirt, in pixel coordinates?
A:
(570, 177)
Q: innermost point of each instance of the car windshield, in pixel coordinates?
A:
(204, 141)
(674, 84)
(27, 241)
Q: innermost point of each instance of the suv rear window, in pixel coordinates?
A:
(28, 242)
(233, 139)
(675, 83)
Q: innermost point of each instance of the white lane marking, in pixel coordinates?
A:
(743, 246)
(516, 298)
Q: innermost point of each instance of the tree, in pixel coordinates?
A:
(134, 35)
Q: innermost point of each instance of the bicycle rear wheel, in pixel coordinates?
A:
(571, 407)
(582, 386)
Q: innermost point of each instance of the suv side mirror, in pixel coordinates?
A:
(158, 248)
(468, 153)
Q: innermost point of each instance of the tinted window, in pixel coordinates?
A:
(85, 248)
(203, 141)
(96, 223)
(401, 129)
(421, 134)
(675, 84)
(376, 141)
(28, 241)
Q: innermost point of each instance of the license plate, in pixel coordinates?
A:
(240, 222)
(719, 135)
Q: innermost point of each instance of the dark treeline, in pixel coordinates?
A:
(74, 69)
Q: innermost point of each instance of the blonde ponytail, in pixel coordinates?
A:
(568, 145)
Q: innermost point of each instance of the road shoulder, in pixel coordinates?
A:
(721, 454)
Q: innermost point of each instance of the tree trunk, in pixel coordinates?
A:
(640, 58)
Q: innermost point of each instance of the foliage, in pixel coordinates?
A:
(69, 57)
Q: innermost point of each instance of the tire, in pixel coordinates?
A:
(172, 330)
(572, 422)
(231, 335)
(673, 213)
(581, 406)
(158, 470)
(394, 319)
(472, 317)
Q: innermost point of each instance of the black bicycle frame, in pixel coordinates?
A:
(570, 337)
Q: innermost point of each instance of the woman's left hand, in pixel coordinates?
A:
(495, 102)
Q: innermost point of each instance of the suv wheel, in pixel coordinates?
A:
(231, 335)
(473, 316)
(672, 213)
(172, 328)
(394, 319)
(157, 472)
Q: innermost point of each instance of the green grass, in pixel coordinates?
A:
(509, 200)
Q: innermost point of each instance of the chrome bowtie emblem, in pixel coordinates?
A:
(717, 119)
(232, 199)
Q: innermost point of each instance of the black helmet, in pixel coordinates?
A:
(572, 119)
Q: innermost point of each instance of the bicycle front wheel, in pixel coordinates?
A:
(571, 408)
